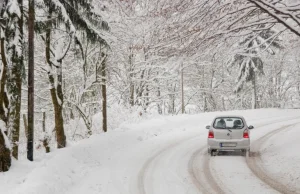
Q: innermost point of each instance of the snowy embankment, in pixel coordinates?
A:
(281, 156)
(159, 156)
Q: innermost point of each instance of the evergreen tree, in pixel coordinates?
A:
(248, 61)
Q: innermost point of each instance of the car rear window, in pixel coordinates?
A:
(228, 123)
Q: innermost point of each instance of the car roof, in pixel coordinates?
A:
(239, 116)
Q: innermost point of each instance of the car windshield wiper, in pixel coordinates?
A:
(228, 129)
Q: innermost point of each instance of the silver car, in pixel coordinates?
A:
(228, 133)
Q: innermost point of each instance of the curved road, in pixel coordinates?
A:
(185, 167)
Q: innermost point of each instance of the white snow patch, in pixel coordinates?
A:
(112, 162)
(281, 158)
(3, 128)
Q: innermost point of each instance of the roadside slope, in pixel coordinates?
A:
(280, 158)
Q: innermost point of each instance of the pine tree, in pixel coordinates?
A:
(248, 61)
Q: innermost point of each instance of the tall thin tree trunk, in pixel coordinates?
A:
(205, 109)
(104, 97)
(182, 92)
(45, 140)
(59, 121)
(30, 80)
(15, 108)
(159, 104)
(254, 96)
(3, 79)
(173, 100)
(15, 88)
(85, 66)
(171, 103)
(25, 125)
(203, 86)
(131, 94)
(223, 104)
(55, 91)
(131, 98)
(5, 160)
(147, 96)
(58, 117)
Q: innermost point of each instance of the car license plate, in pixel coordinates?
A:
(227, 144)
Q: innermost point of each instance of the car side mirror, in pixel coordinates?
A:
(250, 127)
(208, 127)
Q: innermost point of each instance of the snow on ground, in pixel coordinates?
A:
(152, 157)
(281, 157)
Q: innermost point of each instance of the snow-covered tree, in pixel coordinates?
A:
(71, 17)
(11, 70)
(248, 59)
(15, 42)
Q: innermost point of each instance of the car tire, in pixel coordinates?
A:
(213, 152)
(245, 152)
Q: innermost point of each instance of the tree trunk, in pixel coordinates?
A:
(204, 103)
(254, 102)
(170, 104)
(55, 91)
(3, 78)
(104, 97)
(171, 107)
(14, 88)
(25, 125)
(5, 160)
(159, 104)
(45, 140)
(205, 109)
(30, 81)
(59, 122)
(223, 104)
(15, 106)
(182, 91)
(131, 98)
(147, 99)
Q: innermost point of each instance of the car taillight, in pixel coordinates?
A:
(246, 134)
(211, 134)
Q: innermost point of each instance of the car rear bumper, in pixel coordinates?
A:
(240, 144)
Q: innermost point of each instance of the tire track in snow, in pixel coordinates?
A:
(206, 184)
(255, 164)
(145, 169)
(202, 182)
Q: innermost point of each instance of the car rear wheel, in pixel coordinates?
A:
(245, 152)
(213, 152)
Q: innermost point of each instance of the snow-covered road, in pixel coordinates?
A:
(167, 171)
(169, 155)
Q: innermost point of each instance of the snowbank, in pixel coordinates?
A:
(110, 162)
